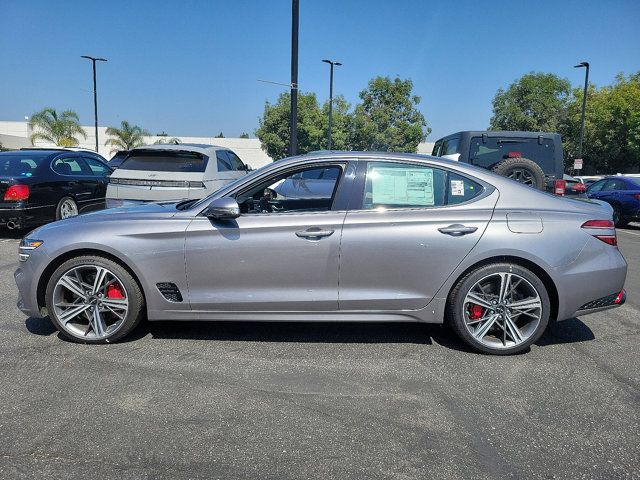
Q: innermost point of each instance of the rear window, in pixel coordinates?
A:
(165, 161)
(20, 164)
(494, 150)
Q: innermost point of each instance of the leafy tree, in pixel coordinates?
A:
(244, 135)
(387, 119)
(60, 129)
(273, 130)
(220, 135)
(612, 126)
(126, 137)
(535, 102)
(342, 127)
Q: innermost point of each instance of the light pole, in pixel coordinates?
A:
(584, 103)
(331, 65)
(95, 93)
(293, 138)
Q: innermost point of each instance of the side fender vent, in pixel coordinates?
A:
(170, 291)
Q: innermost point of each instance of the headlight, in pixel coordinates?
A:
(26, 245)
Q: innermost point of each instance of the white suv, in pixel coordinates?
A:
(157, 173)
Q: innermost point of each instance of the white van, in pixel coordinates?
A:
(159, 173)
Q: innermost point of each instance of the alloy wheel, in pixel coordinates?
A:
(90, 302)
(502, 310)
(68, 208)
(521, 175)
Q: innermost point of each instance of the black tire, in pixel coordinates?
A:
(61, 203)
(522, 170)
(132, 288)
(618, 219)
(455, 306)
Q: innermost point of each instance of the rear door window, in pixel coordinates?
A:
(98, 168)
(165, 161)
(234, 160)
(70, 166)
(614, 184)
(224, 165)
(403, 185)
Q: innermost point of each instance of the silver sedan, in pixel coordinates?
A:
(334, 237)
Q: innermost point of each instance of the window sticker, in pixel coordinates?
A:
(457, 187)
(407, 186)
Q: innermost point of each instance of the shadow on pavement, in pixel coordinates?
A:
(315, 332)
(572, 330)
(40, 326)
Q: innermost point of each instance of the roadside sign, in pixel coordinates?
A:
(577, 164)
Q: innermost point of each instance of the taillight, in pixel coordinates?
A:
(636, 196)
(15, 193)
(559, 187)
(514, 154)
(579, 187)
(603, 224)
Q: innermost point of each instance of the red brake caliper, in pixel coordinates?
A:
(475, 311)
(115, 291)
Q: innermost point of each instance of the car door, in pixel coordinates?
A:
(75, 180)
(411, 226)
(101, 172)
(277, 256)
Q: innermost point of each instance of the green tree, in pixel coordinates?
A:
(388, 118)
(220, 135)
(126, 137)
(244, 135)
(273, 130)
(342, 126)
(535, 102)
(61, 129)
(612, 126)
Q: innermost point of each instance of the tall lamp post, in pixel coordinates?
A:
(293, 135)
(584, 103)
(331, 65)
(95, 93)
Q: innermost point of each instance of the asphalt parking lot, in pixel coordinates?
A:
(301, 401)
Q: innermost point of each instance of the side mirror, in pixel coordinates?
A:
(223, 208)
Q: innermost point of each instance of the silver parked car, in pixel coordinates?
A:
(172, 172)
(334, 237)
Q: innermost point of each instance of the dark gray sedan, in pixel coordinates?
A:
(334, 237)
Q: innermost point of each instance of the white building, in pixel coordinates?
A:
(16, 135)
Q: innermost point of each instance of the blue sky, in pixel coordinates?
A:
(191, 67)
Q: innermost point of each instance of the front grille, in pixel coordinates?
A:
(170, 291)
(601, 302)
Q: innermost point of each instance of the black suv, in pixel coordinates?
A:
(533, 158)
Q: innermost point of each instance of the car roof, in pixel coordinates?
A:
(185, 147)
(501, 133)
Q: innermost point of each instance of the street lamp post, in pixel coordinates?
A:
(293, 130)
(584, 103)
(331, 65)
(95, 93)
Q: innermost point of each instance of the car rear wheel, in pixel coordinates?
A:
(522, 170)
(67, 207)
(93, 299)
(499, 308)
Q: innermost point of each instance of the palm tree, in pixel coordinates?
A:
(165, 140)
(126, 137)
(60, 129)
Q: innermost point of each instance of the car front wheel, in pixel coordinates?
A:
(499, 308)
(93, 299)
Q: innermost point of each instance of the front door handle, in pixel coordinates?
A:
(457, 230)
(314, 232)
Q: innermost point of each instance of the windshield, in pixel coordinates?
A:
(22, 164)
(231, 185)
(165, 161)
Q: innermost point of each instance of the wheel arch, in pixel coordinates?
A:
(540, 272)
(60, 259)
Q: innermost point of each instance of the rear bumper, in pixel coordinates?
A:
(604, 303)
(21, 215)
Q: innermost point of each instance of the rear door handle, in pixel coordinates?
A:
(457, 230)
(314, 232)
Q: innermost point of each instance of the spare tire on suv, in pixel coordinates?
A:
(522, 170)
